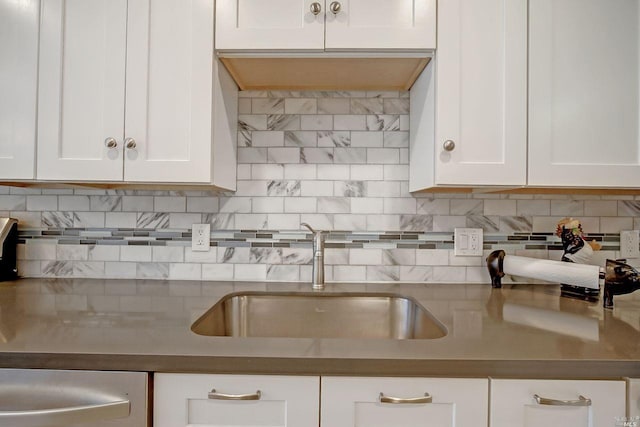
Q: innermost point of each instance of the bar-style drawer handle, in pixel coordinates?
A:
(213, 394)
(388, 399)
(582, 401)
(66, 415)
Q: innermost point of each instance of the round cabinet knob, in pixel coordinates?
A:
(335, 7)
(316, 8)
(110, 143)
(130, 143)
(449, 145)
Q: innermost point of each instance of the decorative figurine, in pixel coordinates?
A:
(578, 251)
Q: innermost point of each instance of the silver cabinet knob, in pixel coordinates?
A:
(316, 8)
(130, 143)
(449, 145)
(335, 7)
(110, 143)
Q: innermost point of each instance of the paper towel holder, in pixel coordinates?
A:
(619, 277)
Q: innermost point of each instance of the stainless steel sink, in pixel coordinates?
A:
(318, 315)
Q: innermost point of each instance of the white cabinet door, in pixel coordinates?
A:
(513, 403)
(355, 402)
(381, 24)
(81, 89)
(183, 400)
(176, 96)
(481, 72)
(169, 91)
(634, 397)
(584, 93)
(19, 23)
(273, 24)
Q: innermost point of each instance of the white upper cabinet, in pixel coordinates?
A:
(380, 24)
(129, 90)
(169, 91)
(81, 92)
(480, 92)
(561, 403)
(584, 93)
(316, 25)
(18, 87)
(273, 24)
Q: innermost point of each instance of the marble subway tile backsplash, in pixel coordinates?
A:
(337, 160)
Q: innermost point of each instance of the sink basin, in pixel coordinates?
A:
(318, 315)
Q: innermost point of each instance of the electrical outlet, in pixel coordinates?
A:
(630, 244)
(200, 235)
(467, 242)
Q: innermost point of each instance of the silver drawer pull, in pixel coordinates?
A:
(213, 394)
(582, 401)
(388, 399)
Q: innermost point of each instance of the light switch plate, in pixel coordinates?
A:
(200, 236)
(467, 242)
(630, 244)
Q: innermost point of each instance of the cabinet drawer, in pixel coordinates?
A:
(357, 402)
(187, 399)
(513, 403)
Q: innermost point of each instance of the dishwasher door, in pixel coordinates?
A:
(56, 398)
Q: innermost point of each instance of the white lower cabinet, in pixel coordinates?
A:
(205, 400)
(513, 403)
(288, 401)
(188, 400)
(360, 402)
(633, 386)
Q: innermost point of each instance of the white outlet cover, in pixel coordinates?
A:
(630, 244)
(200, 237)
(467, 242)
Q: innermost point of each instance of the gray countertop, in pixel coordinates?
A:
(517, 331)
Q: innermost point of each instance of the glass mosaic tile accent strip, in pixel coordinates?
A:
(289, 239)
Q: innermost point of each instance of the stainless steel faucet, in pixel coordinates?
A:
(317, 280)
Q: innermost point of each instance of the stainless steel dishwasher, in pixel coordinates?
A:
(57, 398)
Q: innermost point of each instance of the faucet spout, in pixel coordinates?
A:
(317, 279)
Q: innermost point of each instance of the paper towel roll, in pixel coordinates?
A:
(587, 276)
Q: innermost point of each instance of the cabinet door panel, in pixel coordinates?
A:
(81, 89)
(634, 397)
(583, 107)
(376, 415)
(513, 404)
(182, 400)
(169, 90)
(274, 24)
(481, 98)
(354, 402)
(382, 24)
(18, 84)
